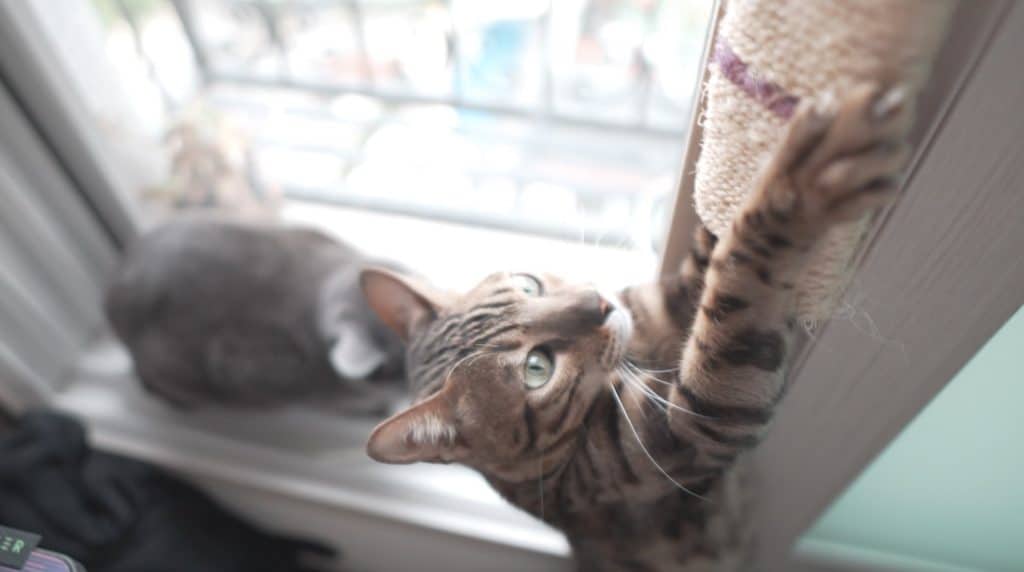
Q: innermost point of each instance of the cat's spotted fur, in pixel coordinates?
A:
(633, 464)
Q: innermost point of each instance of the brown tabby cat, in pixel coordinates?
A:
(532, 381)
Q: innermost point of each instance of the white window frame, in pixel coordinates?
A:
(845, 404)
(942, 272)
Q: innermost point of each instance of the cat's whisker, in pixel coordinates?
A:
(636, 365)
(630, 378)
(634, 382)
(642, 373)
(648, 392)
(643, 447)
(638, 391)
(582, 218)
(626, 238)
(473, 355)
(668, 403)
(540, 484)
(580, 264)
(652, 372)
(649, 373)
(653, 396)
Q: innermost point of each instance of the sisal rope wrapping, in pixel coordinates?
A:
(772, 54)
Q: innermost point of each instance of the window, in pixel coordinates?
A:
(563, 120)
(550, 133)
(508, 96)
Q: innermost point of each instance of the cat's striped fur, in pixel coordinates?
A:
(628, 448)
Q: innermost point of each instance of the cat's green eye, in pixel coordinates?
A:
(528, 284)
(538, 369)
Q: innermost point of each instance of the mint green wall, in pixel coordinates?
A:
(950, 488)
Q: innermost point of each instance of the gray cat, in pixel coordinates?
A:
(232, 313)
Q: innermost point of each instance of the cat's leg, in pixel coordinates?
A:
(663, 311)
(830, 169)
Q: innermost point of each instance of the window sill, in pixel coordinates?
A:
(310, 456)
(293, 453)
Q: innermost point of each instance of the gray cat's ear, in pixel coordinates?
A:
(400, 302)
(424, 432)
(355, 354)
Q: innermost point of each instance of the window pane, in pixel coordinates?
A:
(562, 119)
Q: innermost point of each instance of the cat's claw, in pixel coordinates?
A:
(834, 166)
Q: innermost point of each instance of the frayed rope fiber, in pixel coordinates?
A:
(770, 55)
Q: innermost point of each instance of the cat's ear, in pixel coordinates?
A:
(399, 302)
(424, 432)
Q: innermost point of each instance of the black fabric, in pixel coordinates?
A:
(119, 515)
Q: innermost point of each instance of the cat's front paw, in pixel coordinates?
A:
(834, 166)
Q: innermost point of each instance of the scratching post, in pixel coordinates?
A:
(770, 55)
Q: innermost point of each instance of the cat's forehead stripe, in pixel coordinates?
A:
(456, 336)
(459, 330)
